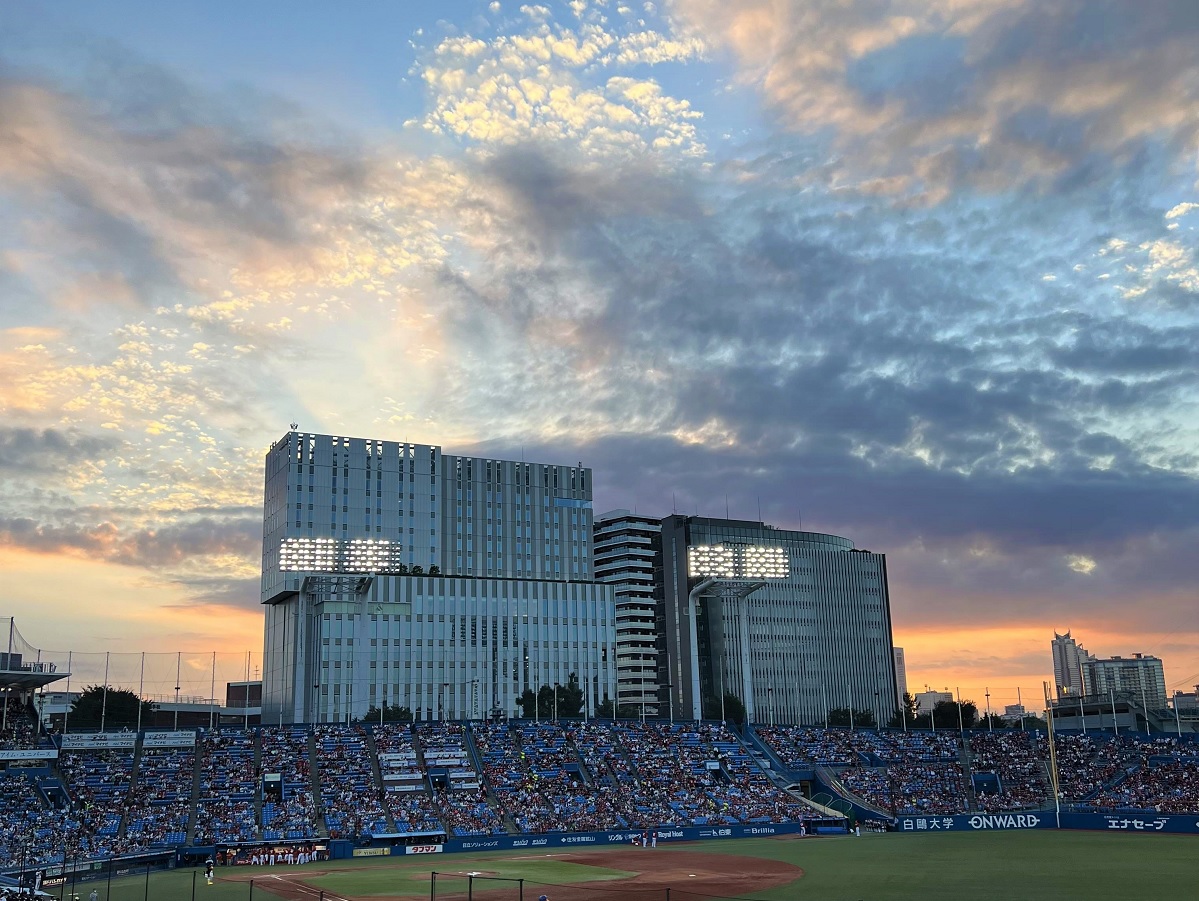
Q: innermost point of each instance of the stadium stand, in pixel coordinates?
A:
(228, 788)
(406, 791)
(160, 801)
(349, 795)
(538, 777)
(291, 814)
(460, 798)
(98, 783)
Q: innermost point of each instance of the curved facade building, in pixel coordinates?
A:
(793, 623)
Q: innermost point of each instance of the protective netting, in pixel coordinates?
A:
(161, 676)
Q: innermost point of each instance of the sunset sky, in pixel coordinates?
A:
(923, 274)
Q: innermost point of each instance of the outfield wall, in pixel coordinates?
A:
(626, 836)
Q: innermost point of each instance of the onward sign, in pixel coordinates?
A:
(975, 821)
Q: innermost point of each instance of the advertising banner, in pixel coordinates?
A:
(1132, 822)
(975, 822)
(169, 740)
(623, 836)
(423, 849)
(102, 741)
(35, 754)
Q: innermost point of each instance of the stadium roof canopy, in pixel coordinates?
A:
(22, 666)
(28, 679)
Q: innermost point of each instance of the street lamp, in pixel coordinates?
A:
(990, 725)
(770, 703)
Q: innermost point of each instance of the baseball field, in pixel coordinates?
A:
(1034, 865)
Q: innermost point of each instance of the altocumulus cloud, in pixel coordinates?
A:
(782, 323)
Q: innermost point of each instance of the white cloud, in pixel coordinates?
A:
(1182, 209)
(561, 84)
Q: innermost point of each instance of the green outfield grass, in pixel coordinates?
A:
(1033, 865)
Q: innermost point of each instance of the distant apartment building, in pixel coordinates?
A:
(628, 550)
(1139, 678)
(1014, 712)
(926, 701)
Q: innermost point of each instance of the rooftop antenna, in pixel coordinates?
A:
(294, 426)
(759, 508)
(674, 503)
(726, 506)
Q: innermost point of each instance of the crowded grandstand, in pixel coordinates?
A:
(88, 796)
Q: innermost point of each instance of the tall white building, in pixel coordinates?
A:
(792, 623)
(395, 574)
(1069, 672)
(627, 550)
(901, 675)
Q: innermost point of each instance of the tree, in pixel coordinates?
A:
(861, 719)
(946, 715)
(391, 714)
(603, 710)
(435, 570)
(570, 697)
(418, 570)
(527, 703)
(118, 711)
(734, 710)
(996, 722)
(907, 714)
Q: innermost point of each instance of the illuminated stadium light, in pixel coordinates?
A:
(737, 561)
(331, 555)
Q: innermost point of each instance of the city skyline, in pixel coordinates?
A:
(922, 274)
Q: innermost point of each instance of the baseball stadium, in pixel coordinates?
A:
(569, 707)
(586, 808)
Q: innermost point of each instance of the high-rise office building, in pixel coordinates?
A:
(395, 574)
(628, 551)
(901, 675)
(1069, 658)
(792, 623)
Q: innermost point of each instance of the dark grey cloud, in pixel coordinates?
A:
(902, 375)
(48, 450)
(178, 541)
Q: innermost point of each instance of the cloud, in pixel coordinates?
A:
(153, 548)
(47, 450)
(550, 83)
(563, 285)
(984, 93)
